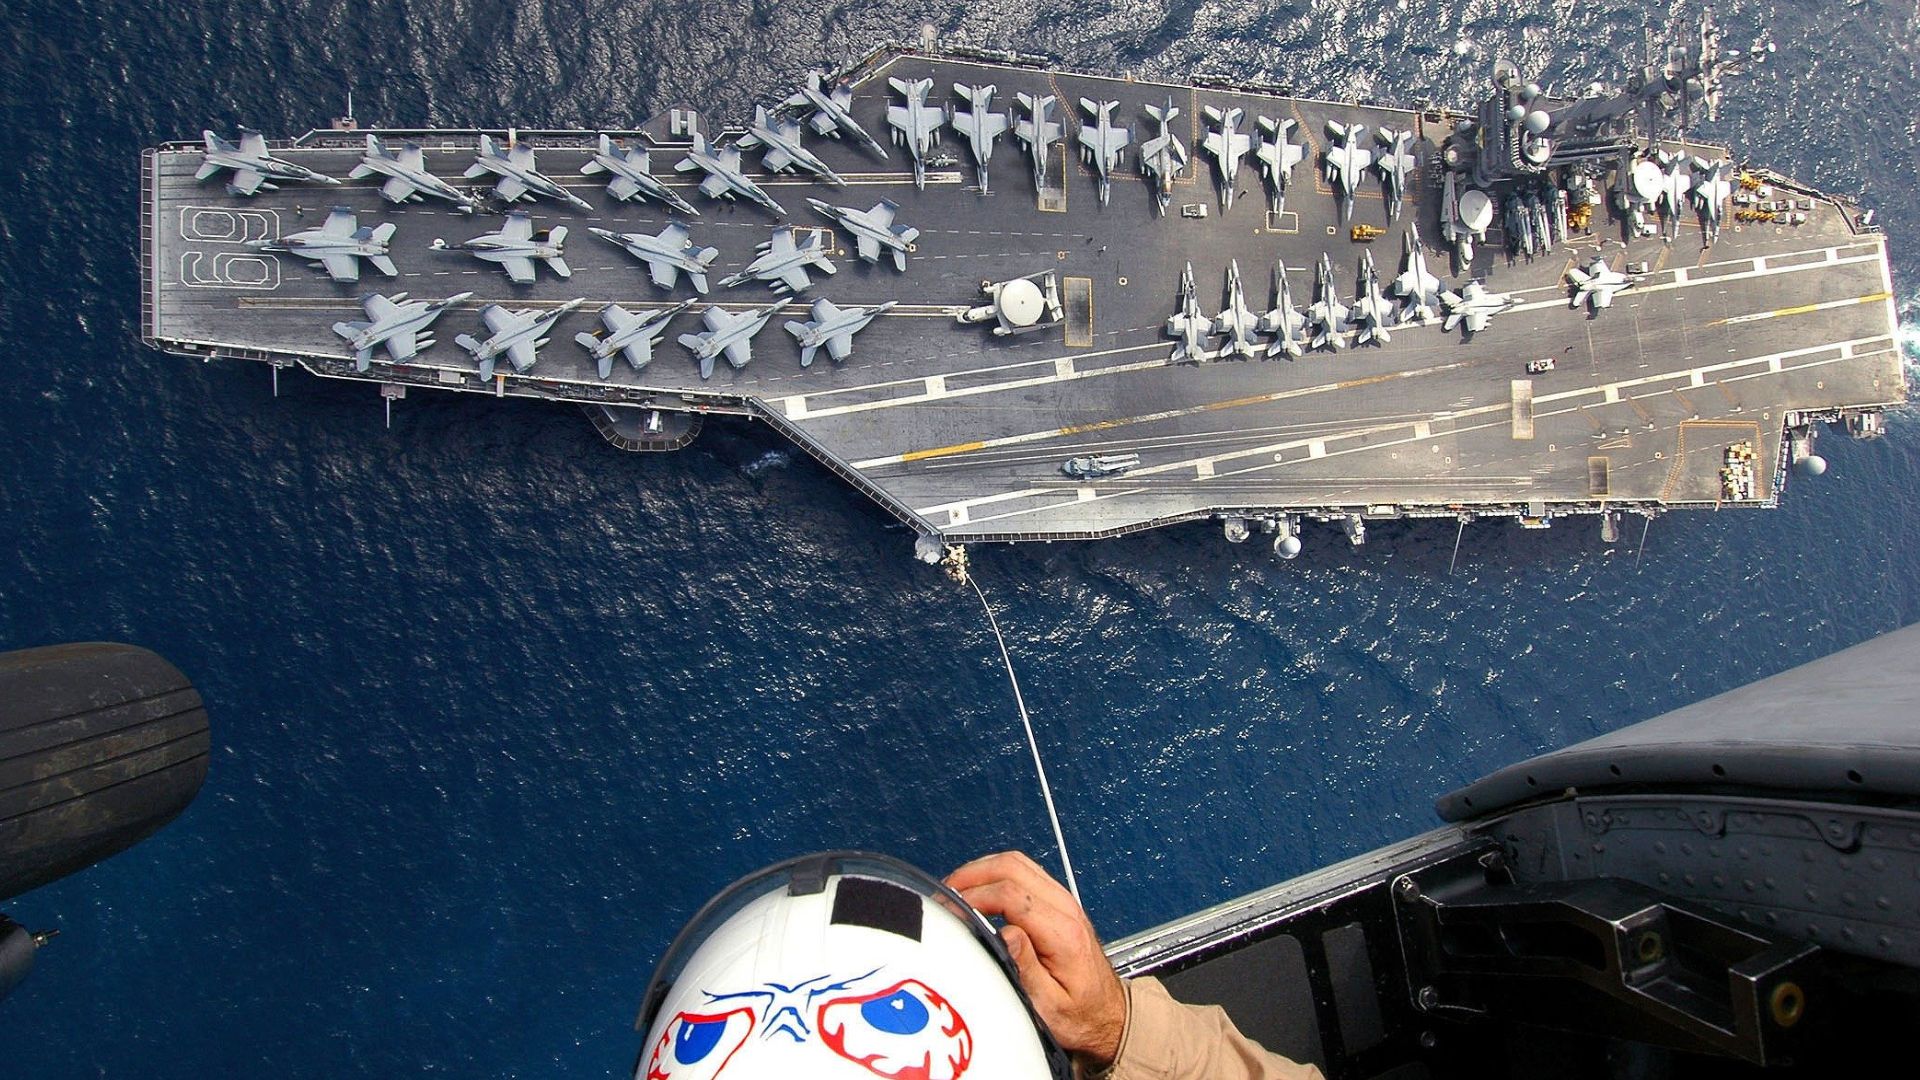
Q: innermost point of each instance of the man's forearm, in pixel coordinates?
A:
(1166, 1040)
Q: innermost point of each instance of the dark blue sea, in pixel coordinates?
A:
(496, 707)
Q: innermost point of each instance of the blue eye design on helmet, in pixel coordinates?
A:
(697, 1046)
(907, 1031)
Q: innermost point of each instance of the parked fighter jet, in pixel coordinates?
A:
(1327, 315)
(407, 175)
(667, 255)
(980, 124)
(519, 179)
(515, 246)
(253, 168)
(1710, 191)
(1189, 326)
(632, 174)
(1284, 321)
(1676, 179)
(1372, 312)
(724, 179)
(916, 124)
(396, 322)
(783, 262)
(832, 111)
(1240, 326)
(783, 150)
(1417, 287)
(338, 245)
(1228, 145)
(1164, 157)
(729, 335)
(517, 335)
(1102, 143)
(1347, 161)
(1396, 166)
(1474, 306)
(1596, 285)
(629, 335)
(1278, 154)
(873, 229)
(1039, 131)
(833, 327)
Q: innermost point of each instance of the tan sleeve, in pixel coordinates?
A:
(1165, 1040)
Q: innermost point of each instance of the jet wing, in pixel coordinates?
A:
(618, 319)
(402, 346)
(840, 346)
(520, 155)
(868, 247)
(342, 268)
(253, 144)
(521, 354)
(380, 309)
(509, 188)
(519, 269)
(340, 223)
(397, 188)
(776, 159)
(883, 214)
(246, 181)
(411, 156)
(518, 227)
(496, 317)
(623, 188)
(664, 273)
(714, 186)
(739, 351)
(675, 234)
(796, 278)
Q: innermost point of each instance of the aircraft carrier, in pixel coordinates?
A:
(1660, 325)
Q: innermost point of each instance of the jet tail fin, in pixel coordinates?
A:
(806, 355)
(467, 342)
(557, 235)
(383, 234)
(350, 330)
(559, 266)
(384, 265)
(588, 341)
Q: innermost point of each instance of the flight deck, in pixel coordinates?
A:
(1696, 386)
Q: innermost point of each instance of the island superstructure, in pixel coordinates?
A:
(1013, 303)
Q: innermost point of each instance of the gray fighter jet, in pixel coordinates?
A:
(396, 322)
(979, 124)
(632, 174)
(666, 255)
(519, 178)
(1595, 285)
(1347, 161)
(253, 168)
(1416, 286)
(1102, 144)
(1372, 312)
(1039, 131)
(1474, 306)
(781, 140)
(629, 335)
(1164, 157)
(1228, 145)
(1710, 191)
(1278, 154)
(1676, 179)
(873, 229)
(783, 262)
(832, 111)
(1396, 167)
(724, 178)
(407, 175)
(515, 246)
(833, 327)
(728, 335)
(1189, 326)
(1239, 325)
(338, 245)
(916, 124)
(1327, 315)
(1284, 321)
(517, 335)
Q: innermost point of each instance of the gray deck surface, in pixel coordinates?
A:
(966, 432)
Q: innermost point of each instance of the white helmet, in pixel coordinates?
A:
(841, 965)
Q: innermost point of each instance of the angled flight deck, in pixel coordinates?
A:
(1696, 385)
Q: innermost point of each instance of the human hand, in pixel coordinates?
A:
(1051, 940)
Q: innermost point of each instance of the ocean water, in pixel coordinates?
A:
(496, 707)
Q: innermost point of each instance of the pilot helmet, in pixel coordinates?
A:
(841, 966)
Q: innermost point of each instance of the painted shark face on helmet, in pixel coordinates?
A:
(852, 976)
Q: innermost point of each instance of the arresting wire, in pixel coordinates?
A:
(1046, 793)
